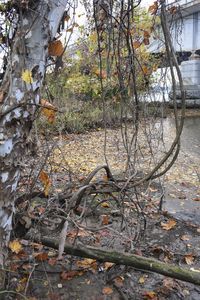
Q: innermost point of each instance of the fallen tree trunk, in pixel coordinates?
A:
(135, 261)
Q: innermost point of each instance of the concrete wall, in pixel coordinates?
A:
(185, 31)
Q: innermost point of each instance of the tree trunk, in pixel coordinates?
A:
(36, 26)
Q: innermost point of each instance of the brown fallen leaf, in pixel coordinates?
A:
(146, 41)
(52, 261)
(105, 219)
(48, 110)
(169, 225)
(41, 256)
(136, 44)
(41, 210)
(196, 199)
(27, 267)
(81, 178)
(47, 104)
(52, 296)
(44, 178)
(105, 178)
(107, 290)
(150, 295)
(108, 265)
(37, 246)
(153, 190)
(119, 281)
(81, 232)
(169, 283)
(153, 8)
(71, 274)
(14, 267)
(185, 237)
(56, 48)
(138, 252)
(189, 259)
(87, 263)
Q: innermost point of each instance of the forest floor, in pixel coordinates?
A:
(171, 235)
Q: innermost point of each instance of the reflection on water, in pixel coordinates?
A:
(191, 135)
(190, 138)
(185, 173)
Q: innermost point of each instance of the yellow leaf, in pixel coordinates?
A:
(44, 178)
(169, 225)
(105, 205)
(145, 70)
(56, 48)
(101, 74)
(20, 287)
(27, 76)
(141, 280)
(15, 246)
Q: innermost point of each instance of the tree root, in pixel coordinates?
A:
(135, 261)
(77, 197)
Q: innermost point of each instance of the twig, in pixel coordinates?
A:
(62, 240)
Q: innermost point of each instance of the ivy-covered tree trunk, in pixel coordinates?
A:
(37, 25)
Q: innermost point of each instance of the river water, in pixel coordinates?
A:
(182, 196)
(191, 136)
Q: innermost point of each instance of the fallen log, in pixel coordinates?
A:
(135, 261)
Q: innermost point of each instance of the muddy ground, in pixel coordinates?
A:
(130, 222)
